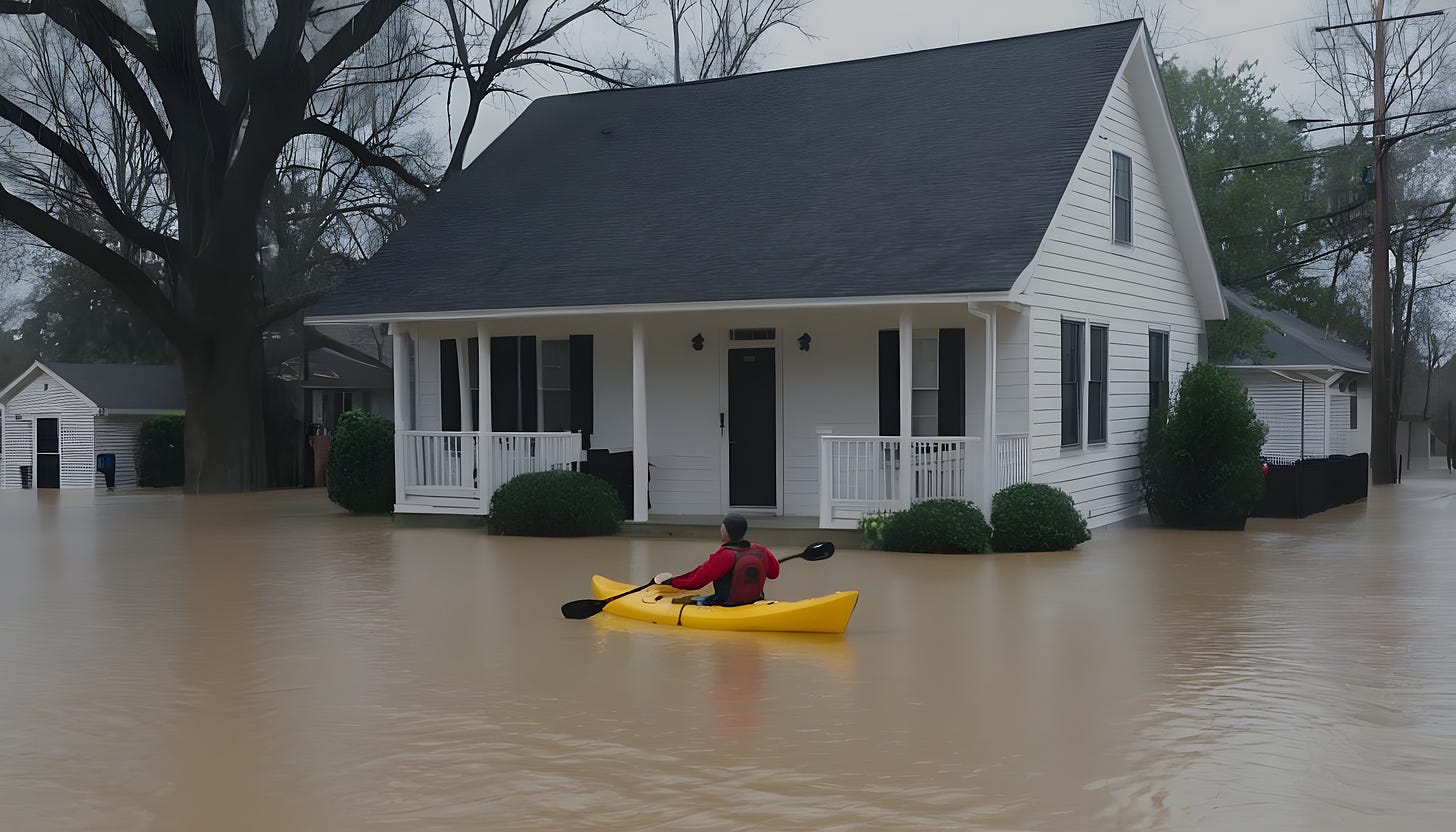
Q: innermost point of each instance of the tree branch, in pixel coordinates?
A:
(160, 244)
(126, 276)
(362, 152)
(278, 311)
(362, 27)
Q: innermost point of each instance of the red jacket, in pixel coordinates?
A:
(717, 565)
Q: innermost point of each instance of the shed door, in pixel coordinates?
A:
(47, 453)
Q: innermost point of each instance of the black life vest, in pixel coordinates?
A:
(744, 584)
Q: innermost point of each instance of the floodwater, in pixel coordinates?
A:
(265, 663)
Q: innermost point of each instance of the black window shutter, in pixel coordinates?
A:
(473, 362)
(889, 382)
(581, 388)
(952, 416)
(505, 385)
(449, 385)
(529, 420)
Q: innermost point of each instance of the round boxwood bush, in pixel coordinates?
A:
(160, 461)
(361, 463)
(1200, 463)
(556, 504)
(950, 527)
(1032, 517)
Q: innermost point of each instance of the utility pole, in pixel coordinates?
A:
(1382, 437)
(1383, 404)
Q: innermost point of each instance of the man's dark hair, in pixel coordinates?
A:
(736, 526)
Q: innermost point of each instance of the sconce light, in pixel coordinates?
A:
(804, 342)
(698, 342)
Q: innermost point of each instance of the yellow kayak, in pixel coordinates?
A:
(665, 605)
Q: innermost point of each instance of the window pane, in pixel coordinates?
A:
(1070, 411)
(1071, 382)
(924, 403)
(555, 365)
(925, 369)
(1122, 220)
(923, 426)
(1121, 198)
(1097, 387)
(556, 411)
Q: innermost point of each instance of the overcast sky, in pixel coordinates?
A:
(1201, 30)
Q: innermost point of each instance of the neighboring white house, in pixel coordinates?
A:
(1313, 391)
(813, 292)
(59, 417)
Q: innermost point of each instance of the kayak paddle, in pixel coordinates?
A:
(588, 607)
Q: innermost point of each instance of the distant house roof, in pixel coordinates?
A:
(933, 172)
(119, 388)
(1296, 344)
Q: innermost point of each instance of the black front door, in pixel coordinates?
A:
(752, 428)
(47, 453)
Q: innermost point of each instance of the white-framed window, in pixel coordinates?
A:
(1072, 375)
(925, 384)
(1121, 198)
(1097, 385)
(556, 386)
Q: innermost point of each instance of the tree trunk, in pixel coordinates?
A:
(223, 440)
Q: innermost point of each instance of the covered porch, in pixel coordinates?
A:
(815, 414)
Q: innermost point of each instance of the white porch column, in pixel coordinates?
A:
(403, 407)
(990, 450)
(639, 424)
(487, 445)
(907, 366)
(462, 366)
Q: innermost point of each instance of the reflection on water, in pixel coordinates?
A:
(264, 663)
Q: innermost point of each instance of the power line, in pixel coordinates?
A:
(1245, 31)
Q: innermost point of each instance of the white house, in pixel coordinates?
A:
(812, 292)
(59, 417)
(1312, 390)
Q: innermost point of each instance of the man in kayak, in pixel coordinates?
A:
(737, 571)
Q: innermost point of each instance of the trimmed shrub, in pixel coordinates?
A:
(361, 463)
(1032, 517)
(1200, 462)
(160, 460)
(556, 504)
(950, 527)
(872, 526)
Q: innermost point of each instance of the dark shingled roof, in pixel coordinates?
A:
(1299, 344)
(141, 387)
(924, 173)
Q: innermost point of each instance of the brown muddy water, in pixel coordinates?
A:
(264, 663)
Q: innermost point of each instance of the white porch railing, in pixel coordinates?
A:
(440, 470)
(1013, 459)
(863, 474)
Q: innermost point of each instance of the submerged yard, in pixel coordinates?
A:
(264, 662)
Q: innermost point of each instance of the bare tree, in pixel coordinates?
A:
(1153, 12)
(493, 43)
(720, 38)
(213, 95)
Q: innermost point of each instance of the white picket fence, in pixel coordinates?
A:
(441, 470)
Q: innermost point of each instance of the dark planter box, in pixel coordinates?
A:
(1310, 486)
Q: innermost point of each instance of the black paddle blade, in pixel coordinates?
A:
(819, 551)
(585, 608)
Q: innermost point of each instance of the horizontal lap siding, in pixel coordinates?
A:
(118, 435)
(17, 446)
(1012, 371)
(1082, 275)
(47, 397)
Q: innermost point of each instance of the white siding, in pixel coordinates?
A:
(1081, 274)
(1013, 331)
(118, 435)
(45, 397)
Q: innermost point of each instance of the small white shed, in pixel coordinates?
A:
(58, 417)
(1312, 391)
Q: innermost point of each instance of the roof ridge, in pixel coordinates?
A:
(728, 79)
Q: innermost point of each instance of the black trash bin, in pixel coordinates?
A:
(25, 477)
(106, 464)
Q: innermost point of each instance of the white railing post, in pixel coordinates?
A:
(826, 473)
(401, 409)
(484, 481)
(907, 367)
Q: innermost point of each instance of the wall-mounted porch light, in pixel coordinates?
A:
(804, 342)
(698, 342)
